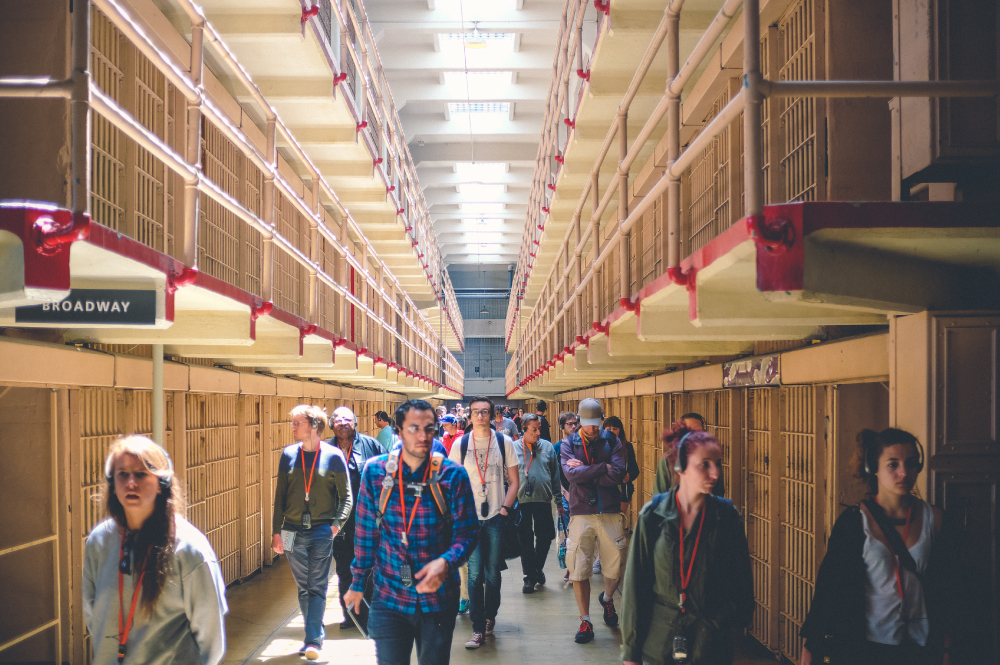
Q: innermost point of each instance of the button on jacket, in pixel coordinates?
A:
(720, 592)
(594, 475)
(452, 538)
(330, 498)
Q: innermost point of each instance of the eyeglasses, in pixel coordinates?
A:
(299, 423)
(483, 412)
(414, 429)
(344, 420)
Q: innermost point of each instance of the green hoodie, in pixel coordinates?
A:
(720, 592)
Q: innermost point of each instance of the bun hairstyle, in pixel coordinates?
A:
(153, 544)
(870, 447)
(680, 440)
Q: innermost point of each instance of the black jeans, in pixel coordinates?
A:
(536, 532)
(343, 556)
(395, 633)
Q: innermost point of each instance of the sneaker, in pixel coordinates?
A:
(475, 641)
(529, 586)
(463, 606)
(597, 567)
(346, 624)
(540, 578)
(490, 625)
(312, 652)
(302, 649)
(610, 615)
(586, 632)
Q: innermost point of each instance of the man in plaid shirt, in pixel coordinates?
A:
(416, 552)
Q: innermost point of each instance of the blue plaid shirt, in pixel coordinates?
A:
(430, 537)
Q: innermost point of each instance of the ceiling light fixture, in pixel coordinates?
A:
(475, 40)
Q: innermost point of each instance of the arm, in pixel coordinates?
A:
(513, 475)
(554, 475)
(366, 536)
(342, 483)
(738, 611)
(637, 594)
(664, 478)
(580, 473)
(89, 584)
(465, 521)
(616, 468)
(205, 607)
(280, 489)
(633, 464)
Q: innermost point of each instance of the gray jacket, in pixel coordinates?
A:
(544, 472)
(187, 625)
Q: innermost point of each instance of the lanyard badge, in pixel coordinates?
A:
(405, 570)
(307, 514)
(125, 626)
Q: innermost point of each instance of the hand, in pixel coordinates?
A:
(573, 463)
(611, 469)
(805, 658)
(352, 600)
(630, 662)
(626, 478)
(335, 529)
(505, 511)
(277, 545)
(432, 576)
(559, 509)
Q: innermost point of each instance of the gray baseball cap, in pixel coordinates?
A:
(590, 412)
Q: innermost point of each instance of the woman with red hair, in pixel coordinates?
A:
(688, 583)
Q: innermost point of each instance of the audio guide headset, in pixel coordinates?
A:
(165, 483)
(871, 462)
(681, 462)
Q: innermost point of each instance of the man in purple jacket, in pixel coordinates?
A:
(594, 464)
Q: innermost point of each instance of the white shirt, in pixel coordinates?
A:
(490, 468)
(884, 611)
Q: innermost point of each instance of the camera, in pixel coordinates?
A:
(680, 648)
(592, 497)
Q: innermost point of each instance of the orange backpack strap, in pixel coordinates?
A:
(383, 499)
(435, 485)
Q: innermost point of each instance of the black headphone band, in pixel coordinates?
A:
(871, 465)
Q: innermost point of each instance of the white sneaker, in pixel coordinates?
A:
(475, 641)
(490, 625)
(597, 567)
(312, 652)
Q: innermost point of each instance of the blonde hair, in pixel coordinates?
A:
(155, 541)
(316, 413)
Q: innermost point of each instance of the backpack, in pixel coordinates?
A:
(433, 482)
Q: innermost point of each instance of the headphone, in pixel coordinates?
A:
(871, 465)
(165, 483)
(681, 462)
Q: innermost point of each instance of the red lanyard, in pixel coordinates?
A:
(125, 627)
(906, 536)
(308, 484)
(486, 464)
(585, 452)
(402, 501)
(685, 579)
(524, 452)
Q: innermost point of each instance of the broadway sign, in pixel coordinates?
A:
(94, 306)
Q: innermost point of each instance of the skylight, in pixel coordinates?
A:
(495, 41)
(483, 237)
(481, 171)
(501, 108)
(476, 191)
(478, 85)
(481, 208)
(484, 248)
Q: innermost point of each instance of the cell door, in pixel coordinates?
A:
(761, 510)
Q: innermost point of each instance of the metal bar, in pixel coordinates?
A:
(81, 117)
(753, 159)
(880, 88)
(671, 236)
(22, 546)
(31, 633)
(43, 88)
(158, 407)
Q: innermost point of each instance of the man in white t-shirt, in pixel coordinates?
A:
(479, 451)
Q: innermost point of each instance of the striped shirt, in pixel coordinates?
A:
(381, 550)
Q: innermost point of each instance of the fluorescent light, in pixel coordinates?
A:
(498, 108)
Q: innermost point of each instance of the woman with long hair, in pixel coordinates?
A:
(627, 488)
(688, 582)
(889, 590)
(153, 591)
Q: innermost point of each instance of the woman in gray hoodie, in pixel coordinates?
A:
(153, 592)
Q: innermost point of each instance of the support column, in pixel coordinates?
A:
(192, 149)
(624, 291)
(80, 105)
(159, 431)
(671, 235)
(754, 177)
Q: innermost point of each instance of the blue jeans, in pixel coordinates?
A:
(484, 574)
(309, 562)
(395, 632)
(564, 519)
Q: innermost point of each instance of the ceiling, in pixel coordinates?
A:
(472, 116)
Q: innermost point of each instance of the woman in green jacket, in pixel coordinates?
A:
(688, 583)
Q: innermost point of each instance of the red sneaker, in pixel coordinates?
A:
(586, 632)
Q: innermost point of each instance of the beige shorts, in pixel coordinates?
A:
(589, 534)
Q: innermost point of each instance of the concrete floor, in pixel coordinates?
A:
(264, 625)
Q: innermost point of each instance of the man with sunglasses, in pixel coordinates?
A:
(312, 500)
(488, 465)
(412, 536)
(358, 448)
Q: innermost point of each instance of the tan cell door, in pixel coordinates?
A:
(761, 509)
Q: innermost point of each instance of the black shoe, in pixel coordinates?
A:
(529, 586)
(586, 632)
(610, 615)
(346, 624)
(540, 578)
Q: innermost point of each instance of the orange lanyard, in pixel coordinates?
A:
(486, 464)
(686, 579)
(586, 453)
(402, 501)
(125, 627)
(308, 483)
(906, 536)
(524, 452)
